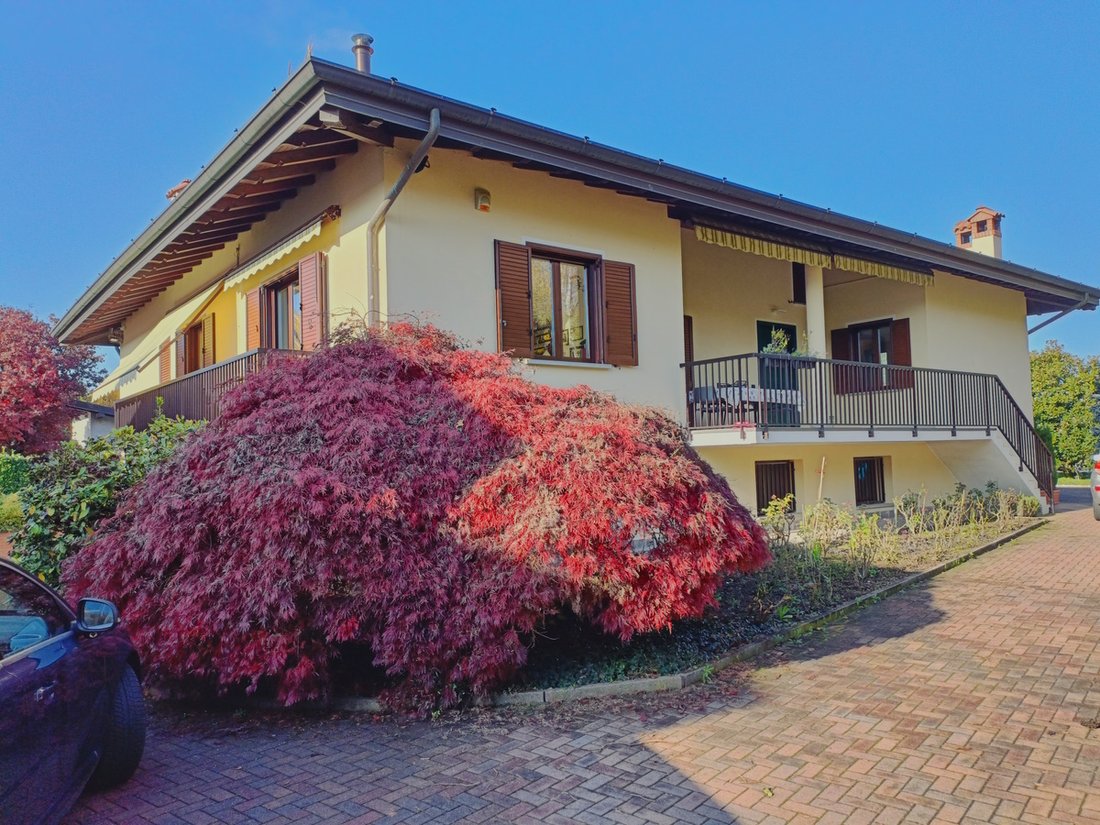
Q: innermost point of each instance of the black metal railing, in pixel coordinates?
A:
(196, 396)
(789, 391)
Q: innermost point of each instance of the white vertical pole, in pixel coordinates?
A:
(815, 310)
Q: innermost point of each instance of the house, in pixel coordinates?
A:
(906, 359)
(91, 420)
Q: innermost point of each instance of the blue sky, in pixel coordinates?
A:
(907, 114)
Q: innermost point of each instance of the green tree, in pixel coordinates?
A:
(1065, 388)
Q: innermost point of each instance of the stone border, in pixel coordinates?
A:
(677, 681)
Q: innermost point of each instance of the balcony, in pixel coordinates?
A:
(770, 393)
(196, 396)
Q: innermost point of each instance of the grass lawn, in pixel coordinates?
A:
(1069, 481)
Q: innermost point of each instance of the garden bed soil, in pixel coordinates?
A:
(568, 652)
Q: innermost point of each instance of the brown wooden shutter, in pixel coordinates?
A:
(902, 349)
(208, 358)
(252, 319)
(841, 341)
(843, 377)
(798, 283)
(901, 353)
(620, 316)
(181, 355)
(164, 359)
(513, 292)
(312, 285)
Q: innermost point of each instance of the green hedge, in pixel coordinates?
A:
(11, 513)
(14, 469)
(72, 488)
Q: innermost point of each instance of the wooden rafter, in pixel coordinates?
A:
(308, 153)
(314, 149)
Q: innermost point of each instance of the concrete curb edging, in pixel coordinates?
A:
(678, 681)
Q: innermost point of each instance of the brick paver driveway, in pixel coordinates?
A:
(966, 700)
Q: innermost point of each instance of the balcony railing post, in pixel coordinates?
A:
(954, 403)
(987, 393)
(875, 376)
(915, 415)
(822, 394)
(762, 403)
(688, 393)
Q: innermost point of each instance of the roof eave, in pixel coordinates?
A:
(320, 83)
(291, 103)
(370, 95)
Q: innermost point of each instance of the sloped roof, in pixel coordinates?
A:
(323, 111)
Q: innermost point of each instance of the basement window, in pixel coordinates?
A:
(774, 479)
(870, 481)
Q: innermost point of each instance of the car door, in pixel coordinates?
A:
(35, 636)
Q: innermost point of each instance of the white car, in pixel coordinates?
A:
(1094, 485)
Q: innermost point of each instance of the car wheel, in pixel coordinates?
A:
(124, 739)
(1096, 512)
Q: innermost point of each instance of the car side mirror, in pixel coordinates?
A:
(95, 615)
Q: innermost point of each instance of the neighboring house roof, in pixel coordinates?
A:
(94, 409)
(317, 114)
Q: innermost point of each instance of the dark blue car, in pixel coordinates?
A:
(71, 710)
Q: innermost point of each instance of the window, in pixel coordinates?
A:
(565, 306)
(560, 308)
(28, 613)
(798, 283)
(965, 238)
(289, 312)
(284, 315)
(774, 479)
(195, 347)
(192, 348)
(871, 342)
(765, 330)
(983, 226)
(870, 481)
(883, 342)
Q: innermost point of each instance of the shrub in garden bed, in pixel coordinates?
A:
(69, 490)
(11, 513)
(14, 470)
(401, 492)
(826, 557)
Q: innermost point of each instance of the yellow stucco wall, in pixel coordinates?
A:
(726, 292)
(853, 299)
(977, 327)
(907, 467)
(437, 264)
(440, 261)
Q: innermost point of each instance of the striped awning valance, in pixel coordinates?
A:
(881, 270)
(804, 253)
(274, 255)
(768, 248)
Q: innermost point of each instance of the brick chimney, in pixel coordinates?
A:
(981, 232)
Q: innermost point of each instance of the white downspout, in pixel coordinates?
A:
(374, 225)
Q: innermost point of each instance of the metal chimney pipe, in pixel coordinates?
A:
(361, 48)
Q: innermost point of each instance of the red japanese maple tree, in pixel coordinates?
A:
(425, 499)
(38, 377)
